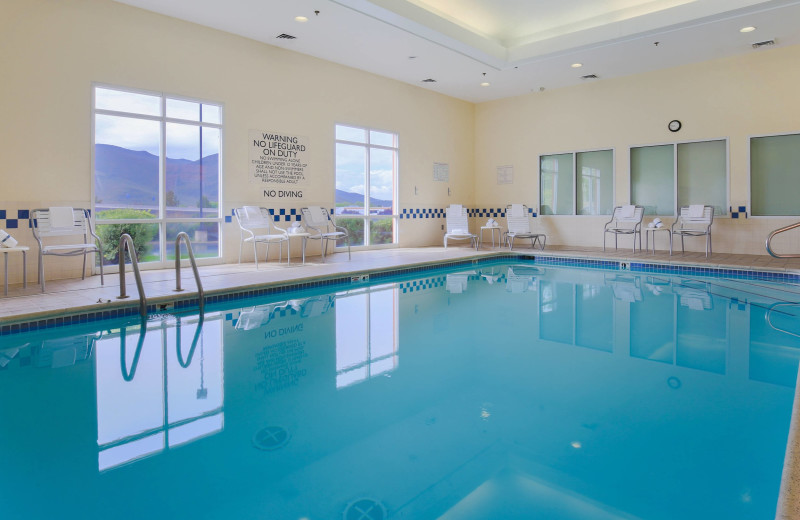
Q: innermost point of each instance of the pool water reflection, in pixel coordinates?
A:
(524, 391)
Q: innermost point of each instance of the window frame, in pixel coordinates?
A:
(674, 145)
(395, 185)
(575, 186)
(750, 138)
(162, 221)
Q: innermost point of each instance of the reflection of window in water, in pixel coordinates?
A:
(366, 333)
(156, 392)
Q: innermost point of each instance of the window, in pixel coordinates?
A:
(666, 177)
(366, 181)
(774, 175)
(156, 173)
(579, 183)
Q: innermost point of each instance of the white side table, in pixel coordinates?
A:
(492, 230)
(18, 249)
(652, 231)
(304, 236)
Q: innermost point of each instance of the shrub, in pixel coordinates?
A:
(141, 233)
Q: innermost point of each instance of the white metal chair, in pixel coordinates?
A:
(625, 220)
(256, 226)
(519, 226)
(694, 221)
(56, 222)
(457, 225)
(323, 228)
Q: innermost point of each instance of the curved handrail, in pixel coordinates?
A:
(768, 319)
(126, 242)
(183, 236)
(128, 376)
(777, 231)
(197, 331)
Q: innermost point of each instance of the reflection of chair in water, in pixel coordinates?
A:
(254, 317)
(626, 288)
(316, 306)
(64, 352)
(456, 283)
(694, 295)
(521, 278)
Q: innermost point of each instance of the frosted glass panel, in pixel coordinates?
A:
(556, 187)
(774, 174)
(595, 182)
(652, 179)
(702, 175)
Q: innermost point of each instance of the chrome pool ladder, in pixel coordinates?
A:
(126, 242)
(777, 231)
(200, 295)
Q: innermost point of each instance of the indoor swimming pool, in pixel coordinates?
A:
(493, 390)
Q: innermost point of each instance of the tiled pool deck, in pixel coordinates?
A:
(89, 298)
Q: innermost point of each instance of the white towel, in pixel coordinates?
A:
(7, 240)
(517, 211)
(294, 230)
(659, 225)
(456, 209)
(651, 225)
(317, 215)
(61, 217)
(627, 211)
(656, 220)
(696, 210)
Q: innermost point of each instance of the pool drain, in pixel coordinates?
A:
(271, 438)
(365, 509)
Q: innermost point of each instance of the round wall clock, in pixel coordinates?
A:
(674, 125)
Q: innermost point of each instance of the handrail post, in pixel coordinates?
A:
(772, 235)
(126, 242)
(200, 295)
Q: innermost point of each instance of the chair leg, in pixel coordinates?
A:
(83, 272)
(604, 241)
(445, 242)
(241, 243)
(349, 257)
(255, 254)
(543, 242)
(41, 271)
(683, 247)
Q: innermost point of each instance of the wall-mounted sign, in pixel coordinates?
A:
(441, 172)
(278, 163)
(505, 175)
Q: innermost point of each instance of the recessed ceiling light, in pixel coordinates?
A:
(577, 65)
(301, 19)
(747, 29)
(485, 84)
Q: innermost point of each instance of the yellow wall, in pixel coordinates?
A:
(733, 98)
(52, 51)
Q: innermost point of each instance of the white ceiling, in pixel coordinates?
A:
(518, 46)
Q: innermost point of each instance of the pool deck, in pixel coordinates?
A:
(79, 296)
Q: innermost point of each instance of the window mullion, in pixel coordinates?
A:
(162, 182)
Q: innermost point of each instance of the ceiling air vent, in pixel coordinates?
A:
(589, 76)
(765, 43)
(429, 80)
(285, 36)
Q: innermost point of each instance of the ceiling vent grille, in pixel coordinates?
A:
(765, 43)
(285, 36)
(589, 76)
(429, 80)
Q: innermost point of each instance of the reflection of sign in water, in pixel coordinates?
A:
(278, 163)
(279, 363)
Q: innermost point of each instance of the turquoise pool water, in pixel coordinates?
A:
(495, 391)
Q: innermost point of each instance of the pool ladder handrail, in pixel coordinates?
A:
(200, 295)
(126, 242)
(777, 231)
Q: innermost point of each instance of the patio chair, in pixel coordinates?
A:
(323, 228)
(625, 220)
(257, 227)
(519, 226)
(57, 222)
(694, 221)
(457, 225)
